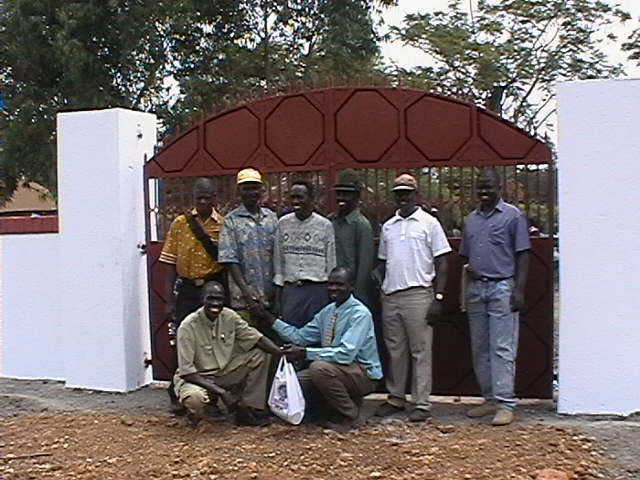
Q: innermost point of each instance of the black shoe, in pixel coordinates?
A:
(248, 419)
(419, 415)
(387, 409)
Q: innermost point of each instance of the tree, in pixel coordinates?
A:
(58, 55)
(66, 55)
(632, 45)
(508, 54)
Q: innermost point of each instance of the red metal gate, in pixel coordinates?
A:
(381, 131)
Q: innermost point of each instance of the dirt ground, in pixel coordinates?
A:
(48, 431)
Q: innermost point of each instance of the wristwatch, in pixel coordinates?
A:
(439, 296)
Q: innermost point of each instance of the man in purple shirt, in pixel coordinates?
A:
(495, 245)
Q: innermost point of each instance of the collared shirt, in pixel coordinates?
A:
(182, 248)
(490, 241)
(345, 331)
(409, 245)
(304, 249)
(247, 240)
(354, 249)
(206, 347)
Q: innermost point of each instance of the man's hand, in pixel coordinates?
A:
(294, 352)
(517, 300)
(435, 312)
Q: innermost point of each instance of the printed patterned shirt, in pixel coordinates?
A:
(182, 249)
(247, 240)
(304, 249)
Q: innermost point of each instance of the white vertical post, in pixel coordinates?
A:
(599, 175)
(103, 286)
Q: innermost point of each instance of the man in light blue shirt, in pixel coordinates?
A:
(345, 366)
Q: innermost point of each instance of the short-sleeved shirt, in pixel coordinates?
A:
(304, 249)
(354, 249)
(490, 241)
(207, 347)
(409, 246)
(182, 248)
(345, 334)
(247, 239)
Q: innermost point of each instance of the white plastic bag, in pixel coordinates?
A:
(286, 399)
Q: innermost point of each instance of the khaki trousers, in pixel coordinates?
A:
(408, 338)
(342, 386)
(250, 380)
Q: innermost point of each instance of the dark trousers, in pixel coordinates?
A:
(300, 302)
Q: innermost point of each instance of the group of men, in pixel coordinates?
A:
(250, 287)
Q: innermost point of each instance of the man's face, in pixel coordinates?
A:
(213, 301)
(203, 199)
(338, 287)
(404, 198)
(250, 193)
(347, 200)
(300, 200)
(487, 191)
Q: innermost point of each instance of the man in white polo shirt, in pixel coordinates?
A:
(413, 247)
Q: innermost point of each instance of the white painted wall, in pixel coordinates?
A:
(74, 305)
(103, 287)
(599, 195)
(31, 329)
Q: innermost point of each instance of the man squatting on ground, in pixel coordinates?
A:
(413, 247)
(495, 243)
(304, 254)
(190, 254)
(221, 356)
(246, 248)
(354, 235)
(345, 366)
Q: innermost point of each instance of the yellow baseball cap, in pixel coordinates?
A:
(249, 175)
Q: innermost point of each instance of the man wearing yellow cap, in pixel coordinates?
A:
(246, 247)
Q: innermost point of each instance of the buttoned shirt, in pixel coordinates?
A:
(491, 240)
(354, 249)
(304, 249)
(409, 246)
(182, 249)
(345, 333)
(206, 346)
(247, 239)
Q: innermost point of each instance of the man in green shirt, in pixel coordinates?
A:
(221, 356)
(354, 235)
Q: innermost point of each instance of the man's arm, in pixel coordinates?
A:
(307, 335)
(364, 261)
(268, 346)
(441, 264)
(227, 397)
(522, 270)
(170, 274)
(278, 270)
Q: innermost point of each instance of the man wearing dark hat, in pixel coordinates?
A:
(354, 235)
(413, 247)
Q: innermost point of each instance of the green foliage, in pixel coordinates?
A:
(509, 54)
(58, 55)
(632, 45)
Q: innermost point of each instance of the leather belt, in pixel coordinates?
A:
(300, 283)
(198, 282)
(491, 279)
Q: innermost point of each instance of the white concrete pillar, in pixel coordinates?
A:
(599, 197)
(103, 282)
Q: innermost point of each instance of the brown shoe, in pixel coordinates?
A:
(504, 416)
(387, 409)
(482, 410)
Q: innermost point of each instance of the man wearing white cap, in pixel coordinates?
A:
(246, 247)
(413, 247)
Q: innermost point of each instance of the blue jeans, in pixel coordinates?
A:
(494, 332)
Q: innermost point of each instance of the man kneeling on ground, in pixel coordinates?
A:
(345, 367)
(218, 359)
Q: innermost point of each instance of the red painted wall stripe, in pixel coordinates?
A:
(23, 225)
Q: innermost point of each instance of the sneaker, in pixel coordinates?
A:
(504, 416)
(387, 409)
(342, 424)
(419, 415)
(482, 410)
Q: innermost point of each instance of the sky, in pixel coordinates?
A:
(408, 57)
